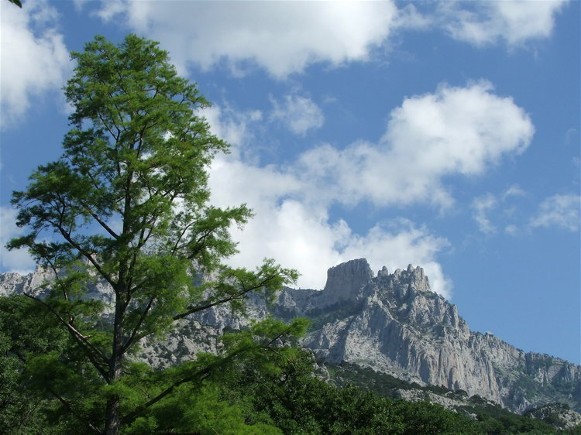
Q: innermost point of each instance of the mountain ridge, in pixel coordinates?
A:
(391, 322)
(404, 329)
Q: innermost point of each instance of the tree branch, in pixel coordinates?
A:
(101, 222)
(133, 335)
(69, 408)
(209, 303)
(85, 254)
(199, 375)
(90, 350)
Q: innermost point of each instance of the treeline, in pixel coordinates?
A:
(486, 416)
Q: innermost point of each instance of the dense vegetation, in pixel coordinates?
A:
(269, 390)
(486, 416)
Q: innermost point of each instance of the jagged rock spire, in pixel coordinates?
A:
(345, 280)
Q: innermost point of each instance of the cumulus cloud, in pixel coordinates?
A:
(283, 228)
(300, 234)
(561, 211)
(16, 260)
(453, 131)
(38, 63)
(281, 37)
(298, 113)
(287, 37)
(456, 130)
(489, 22)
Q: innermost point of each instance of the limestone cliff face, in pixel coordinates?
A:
(390, 322)
(11, 283)
(393, 323)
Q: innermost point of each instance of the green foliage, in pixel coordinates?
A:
(285, 389)
(32, 397)
(18, 407)
(201, 410)
(490, 418)
(127, 204)
(197, 397)
(366, 378)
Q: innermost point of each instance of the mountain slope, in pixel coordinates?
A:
(390, 322)
(394, 324)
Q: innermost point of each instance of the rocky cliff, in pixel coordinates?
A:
(393, 323)
(390, 322)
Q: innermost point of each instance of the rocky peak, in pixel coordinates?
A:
(16, 283)
(345, 280)
(403, 283)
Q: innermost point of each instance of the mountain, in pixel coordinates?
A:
(394, 323)
(389, 322)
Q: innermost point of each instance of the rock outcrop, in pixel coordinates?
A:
(391, 322)
(558, 415)
(394, 323)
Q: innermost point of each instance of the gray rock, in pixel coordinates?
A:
(558, 415)
(346, 280)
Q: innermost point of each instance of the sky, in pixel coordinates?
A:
(438, 134)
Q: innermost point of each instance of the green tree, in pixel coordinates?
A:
(127, 204)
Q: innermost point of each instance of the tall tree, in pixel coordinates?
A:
(127, 203)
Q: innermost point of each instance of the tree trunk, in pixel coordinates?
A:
(113, 419)
(112, 416)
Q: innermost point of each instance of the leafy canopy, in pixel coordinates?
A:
(127, 204)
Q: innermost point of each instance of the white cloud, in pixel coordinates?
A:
(557, 211)
(34, 58)
(460, 131)
(560, 211)
(511, 229)
(454, 131)
(109, 9)
(514, 22)
(282, 37)
(233, 181)
(283, 228)
(300, 234)
(409, 17)
(299, 114)
(481, 206)
(231, 125)
(16, 260)
(287, 37)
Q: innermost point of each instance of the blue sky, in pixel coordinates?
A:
(445, 134)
